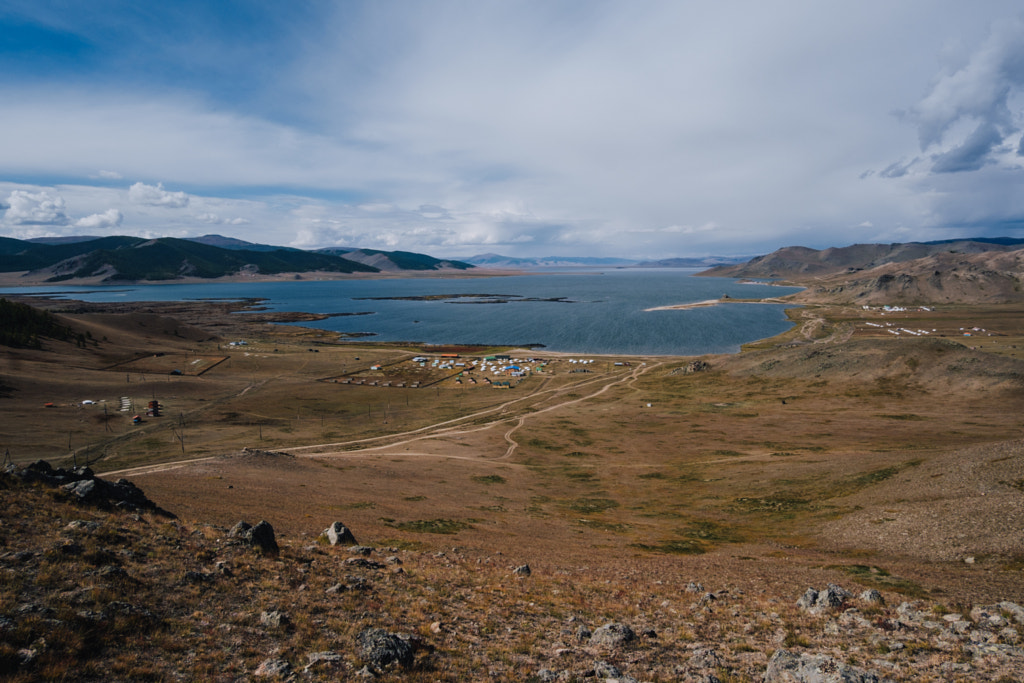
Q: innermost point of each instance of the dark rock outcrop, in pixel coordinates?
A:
(380, 649)
(260, 536)
(83, 486)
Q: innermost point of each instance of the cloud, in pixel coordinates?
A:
(35, 208)
(111, 218)
(896, 169)
(972, 154)
(977, 95)
(156, 195)
(214, 219)
(576, 127)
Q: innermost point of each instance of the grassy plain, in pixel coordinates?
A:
(805, 459)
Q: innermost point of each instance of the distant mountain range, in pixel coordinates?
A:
(791, 262)
(513, 263)
(116, 259)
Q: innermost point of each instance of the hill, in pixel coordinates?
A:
(395, 260)
(704, 262)
(973, 271)
(943, 278)
(514, 263)
(114, 259)
(234, 243)
(117, 259)
(803, 262)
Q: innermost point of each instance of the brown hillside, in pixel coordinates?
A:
(989, 277)
(802, 262)
(929, 364)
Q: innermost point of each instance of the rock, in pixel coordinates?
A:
(705, 658)
(273, 667)
(260, 536)
(807, 600)
(363, 562)
(81, 525)
(612, 634)
(606, 670)
(380, 649)
(274, 619)
(816, 602)
(698, 365)
(198, 577)
(547, 676)
(789, 667)
(1014, 610)
(85, 487)
(522, 570)
(872, 597)
(363, 550)
(338, 534)
(694, 587)
(322, 660)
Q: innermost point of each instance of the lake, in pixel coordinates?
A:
(576, 312)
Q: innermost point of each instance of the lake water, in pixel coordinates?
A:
(576, 312)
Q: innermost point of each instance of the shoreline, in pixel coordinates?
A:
(714, 302)
(24, 278)
(251, 311)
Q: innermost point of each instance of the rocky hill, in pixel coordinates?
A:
(965, 272)
(983, 278)
(802, 262)
(110, 587)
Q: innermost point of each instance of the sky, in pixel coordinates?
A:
(642, 129)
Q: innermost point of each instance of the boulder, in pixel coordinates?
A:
(273, 668)
(380, 649)
(338, 534)
(522, 570)
(260, 536)
(1014, 610)
(831, 598)
(789, 667)
(612, 634)
(274, 619)
(872, 597)
(609, 673)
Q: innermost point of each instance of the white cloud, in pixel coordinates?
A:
(35, 208)
(214, 219)
(156, 195)
(576, 127)
(967, 112)
(111, 218)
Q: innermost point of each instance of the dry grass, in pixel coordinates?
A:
(775, 470)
